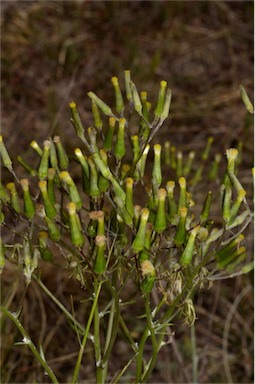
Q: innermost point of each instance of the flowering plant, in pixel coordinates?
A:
(122, 226)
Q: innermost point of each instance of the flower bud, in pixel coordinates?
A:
(109, 134)
(136, 98)
(187, 254)
(46, 254)
(156, 172)
(213, 236)
(44, 164)
(54, 233)
(147, 268)
(189, 162)
(144, 129)
(36, 147)
(231, 155)
(72, 189)
(101, 105)
(14, 201)
(203, 234)
(235, 259)
(137, 214)
(5, 155)
(161, 99)
(239, 220)
(207, 148)
(29, 208)
(171, 201)
(125, 168)
(118, 95)
(53, 156)
(149, 276)
(129, 196)
(123, 212)
(50, 210)
(100, 261)
(142, 162)
(96, 115)
(248, 104)
(101, 162)
(180, 236)
(236, 183)
(93, 180)
(136, 148)
(227, 198)
(62, 156)
(76, 121)
(103, 183)
(224, 255)
(166, 108)
(127, 85)
(143, 95)
(117, 188)
(235, 207)
(93, 139)
(75, 225)
(138, 242)
(120, 146)
(99, 217)
(145, 253)
(183, 194)
(160, 220)
(27, 167)
(51, 192)
(179, 164)
(82, 160)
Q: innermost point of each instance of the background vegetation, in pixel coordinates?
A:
(55, 52)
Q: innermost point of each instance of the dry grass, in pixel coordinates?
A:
(55, 52)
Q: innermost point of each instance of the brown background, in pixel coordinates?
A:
(55, 52)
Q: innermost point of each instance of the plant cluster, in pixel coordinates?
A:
(118, 223)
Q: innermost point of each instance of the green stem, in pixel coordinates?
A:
(27, 341)
(61, 306)
(116, 379)
(139, 360)
(113, 324)
(127, 335)
(112, 330)
(155, 345)
(97, 342)
(142, 377)
(194, 355)
(85, 337)
(153, 360)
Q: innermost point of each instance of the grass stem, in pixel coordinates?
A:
(27, 341)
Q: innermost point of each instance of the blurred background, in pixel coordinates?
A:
(56, 51)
